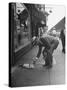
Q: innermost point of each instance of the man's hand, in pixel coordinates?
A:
(34, 60)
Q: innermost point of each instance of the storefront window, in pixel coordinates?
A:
(22, 31)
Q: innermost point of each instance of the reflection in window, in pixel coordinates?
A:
(22, 31)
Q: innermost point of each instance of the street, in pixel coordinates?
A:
(39, 75)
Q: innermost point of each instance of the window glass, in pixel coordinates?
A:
(22, 27)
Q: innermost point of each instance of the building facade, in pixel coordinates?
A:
(27, 19)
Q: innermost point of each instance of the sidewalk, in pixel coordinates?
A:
(40, 76)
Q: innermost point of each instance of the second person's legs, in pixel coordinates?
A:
(47, 57)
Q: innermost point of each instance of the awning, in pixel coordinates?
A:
(36, 15)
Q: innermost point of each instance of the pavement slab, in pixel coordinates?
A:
(39, 75)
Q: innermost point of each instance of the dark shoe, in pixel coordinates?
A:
(49, 66)
(45, 65)
(63, 50)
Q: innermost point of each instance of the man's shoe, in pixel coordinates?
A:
(45, 65)
(49, 66)
(63, 50)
